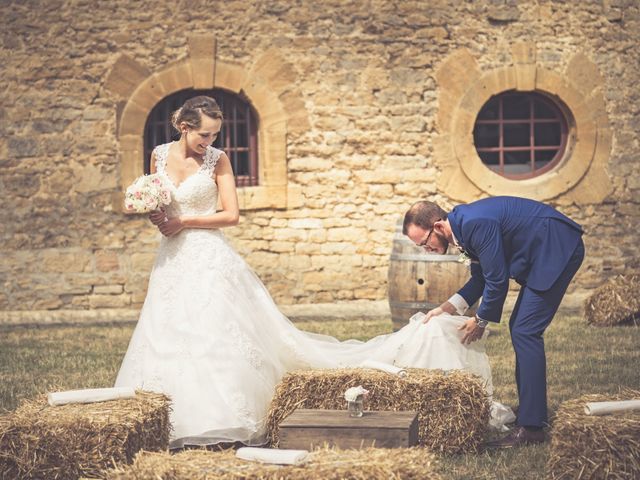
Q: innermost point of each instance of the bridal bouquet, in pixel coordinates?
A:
(147, 193)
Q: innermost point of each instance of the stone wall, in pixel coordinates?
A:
(367, 76)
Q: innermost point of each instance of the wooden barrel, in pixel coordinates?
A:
(419, 281)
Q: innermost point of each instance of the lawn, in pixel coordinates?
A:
(580, 359)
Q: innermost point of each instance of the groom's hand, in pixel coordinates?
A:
(471, 331)
(446, 307)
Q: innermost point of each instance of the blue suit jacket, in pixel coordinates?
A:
(515, 238)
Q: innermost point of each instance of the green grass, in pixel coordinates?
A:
(580, 360)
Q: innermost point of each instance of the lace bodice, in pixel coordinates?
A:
(198, 193)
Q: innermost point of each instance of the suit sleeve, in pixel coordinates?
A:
(472, 290)
(491, 275)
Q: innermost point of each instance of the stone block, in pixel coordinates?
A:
(305, 223)
(308, 248)
(291, 234)
(297, 115)
(295, 199)
(281, 247)
(178, 76)
(149, 93)
(231, 76)
(309, 164)
(319, 235)
(63, 261)
(338, 248)
(125, 75)
(524, 53)
(46, 304)
(133, 120)
(525, 77)
(438, 34)
(262, 197)
(381, 175)
(110, 301)
(108, 289)
(503, 13)
(21, 147)
(457, 71)
(584, 73)
(202, 50)
(106, 261)
(90, 178)
(347, 234)
(279, 74)
(142, 262)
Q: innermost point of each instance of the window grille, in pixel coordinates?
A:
(520, 135)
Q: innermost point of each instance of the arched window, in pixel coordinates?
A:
(238, 137)
(520, 135)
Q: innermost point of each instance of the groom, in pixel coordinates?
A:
(507, 237)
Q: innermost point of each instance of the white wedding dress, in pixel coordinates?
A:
(211, 338)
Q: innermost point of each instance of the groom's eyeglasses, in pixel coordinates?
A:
(425, 243)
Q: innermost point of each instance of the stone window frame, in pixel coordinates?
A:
(268, 83)
(581, 176)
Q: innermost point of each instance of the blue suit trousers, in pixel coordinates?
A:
(531, 315)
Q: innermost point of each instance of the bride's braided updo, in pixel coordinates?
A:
(192, 110)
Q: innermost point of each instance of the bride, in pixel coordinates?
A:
(209, 334)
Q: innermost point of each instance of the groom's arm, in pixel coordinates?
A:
(486, 240)
(471, 291)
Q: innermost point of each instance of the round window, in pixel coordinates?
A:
(520, 135)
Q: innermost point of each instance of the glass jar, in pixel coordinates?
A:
(356, 407)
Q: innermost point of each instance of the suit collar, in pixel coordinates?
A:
(456, 229)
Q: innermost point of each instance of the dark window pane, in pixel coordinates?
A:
(542, 110)
(490, 111)
(516, 135)
(486, 135)
(518, 158)
(240, 114)
(543, 157)
(548, 133)
(218, 142)
(517, 162)
(234, 135)
(490, 158)
(243, 139)
(243, 163)
(516, 107)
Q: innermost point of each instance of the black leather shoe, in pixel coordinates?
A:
(518, 437)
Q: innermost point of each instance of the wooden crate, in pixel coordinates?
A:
(309, 428)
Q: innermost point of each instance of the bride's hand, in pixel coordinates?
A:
(157, 217)
(171, 226)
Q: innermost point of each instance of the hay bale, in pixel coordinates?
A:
(70, 441)
(585, 446)
(325, 464)
(453, 409)
(615, 303)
